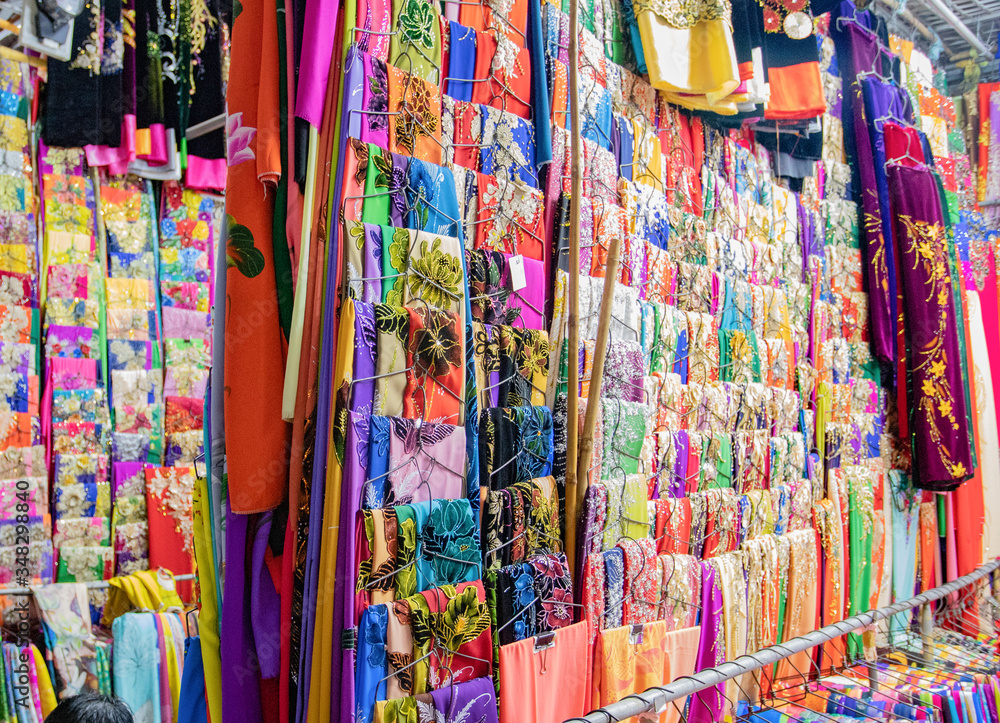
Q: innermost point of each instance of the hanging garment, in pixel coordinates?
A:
(526, 667)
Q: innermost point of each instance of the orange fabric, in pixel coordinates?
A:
(878, 557)
(681, 652)
(623, 666)
(143, 142)
(796, 92)
(527, 678)
(801, 602)
(268, 116)
(985, 89)
(414, 123)
(256, 436)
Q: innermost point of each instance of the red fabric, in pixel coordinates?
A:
(903, 145)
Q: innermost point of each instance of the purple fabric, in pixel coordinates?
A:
(706, 706)
(941, 435)
(472, 701)
(882, 100)
(355, 474)
(354, 91)
(375, 125)
(240, 684)
(880, 279)
(265, 605)
(678, 484)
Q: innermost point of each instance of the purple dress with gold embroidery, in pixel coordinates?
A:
(937, 415)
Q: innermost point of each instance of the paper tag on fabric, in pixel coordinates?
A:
(517, 277)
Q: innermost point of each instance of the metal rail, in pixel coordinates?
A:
(656, 698)
(96, 585)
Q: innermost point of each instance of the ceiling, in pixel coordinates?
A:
(982, 17)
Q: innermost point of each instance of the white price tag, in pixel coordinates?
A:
(517, 278)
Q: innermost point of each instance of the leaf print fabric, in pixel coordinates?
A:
(369, 686)
(435, 377)
(415, 114)
(65, 615)
(416, 47)
(452, 623)
(392, 326)
(516, 445)
(447, 549)
(434, 273)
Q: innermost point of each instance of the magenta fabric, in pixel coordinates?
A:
(206, 173)
(317, 47)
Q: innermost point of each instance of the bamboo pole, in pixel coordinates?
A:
(573, 497)
(600, 354)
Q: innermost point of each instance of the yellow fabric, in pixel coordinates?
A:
(173, 665)
(140, 590)
(14, 258)
(160, 595)
(208, 618)
(46, 692)
(121, 592)
(700, 60)
(323, 650)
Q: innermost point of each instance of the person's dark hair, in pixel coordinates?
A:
(91, 708)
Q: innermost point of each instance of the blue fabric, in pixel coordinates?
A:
(447, 550)
(461, 61)
(681, 356)
(540, 107)
(614, 581)
(369, 685)
(354, 80)
(137, 664)
(192, 706)
(626, 146)
(597, 125)
(378, 464)
(432, 200)
(524, 137)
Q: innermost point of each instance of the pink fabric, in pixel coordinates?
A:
(185, 324)
(531, 299)
(317, 45)
(166, 707)
(116, 159)
(950, 549)
(206, 173)
(157, 146)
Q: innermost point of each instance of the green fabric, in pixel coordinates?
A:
(657, 362)
(416, 46)
(377, 196)
(395, 261)
(279, 241)
(860, 523)
(717, 451)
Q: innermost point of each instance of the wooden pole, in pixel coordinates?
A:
(573, 497)
(600, 354)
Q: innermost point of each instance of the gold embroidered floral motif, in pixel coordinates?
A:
(685, 14)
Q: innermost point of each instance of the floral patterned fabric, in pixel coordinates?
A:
(516, 445)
